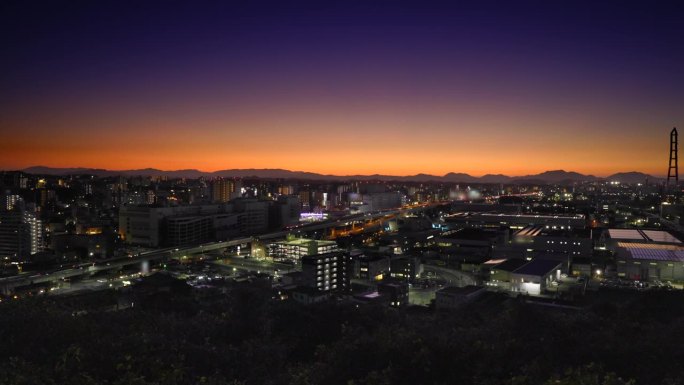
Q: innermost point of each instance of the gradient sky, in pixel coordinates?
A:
(343, 88)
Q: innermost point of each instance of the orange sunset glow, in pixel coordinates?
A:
(343, 147)
(318, 95)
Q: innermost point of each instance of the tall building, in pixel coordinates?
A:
(13, 179)
(222, 190)
(329, 272)
(253, 215)
(8, 201)
(44, 196)
(286, 190)
(294, 249)
(364, 203)
(186, 230)
(150, 198)
(305, 199)
(141, 225)
(21, 234)
(154, 226)
(285, 211)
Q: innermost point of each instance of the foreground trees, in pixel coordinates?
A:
(246, 338)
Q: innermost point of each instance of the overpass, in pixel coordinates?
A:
(8, 284)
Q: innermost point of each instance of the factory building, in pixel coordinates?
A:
(554, 222)
(650, 262)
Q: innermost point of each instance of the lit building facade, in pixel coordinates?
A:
(328, 272)
(294, 249)
(21, 235)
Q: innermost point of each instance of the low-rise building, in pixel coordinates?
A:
(498, 273)
(395, 291)
(372, 267)
(581, 267)
(308, 295)
(452, 297)
(539, 239)
(650, 262)
(613, 238)
(405, 267)
(493, 220)
(535, 276)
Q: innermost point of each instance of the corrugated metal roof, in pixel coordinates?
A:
(538, 267)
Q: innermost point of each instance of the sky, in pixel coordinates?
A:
(353, 87)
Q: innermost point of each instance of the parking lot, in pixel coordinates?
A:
(616, 283)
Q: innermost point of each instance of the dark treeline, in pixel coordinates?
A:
(246, 338)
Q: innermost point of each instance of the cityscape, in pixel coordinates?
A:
(360, 193)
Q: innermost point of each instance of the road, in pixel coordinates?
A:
(8, 284)
(258, 266)
(451, 276)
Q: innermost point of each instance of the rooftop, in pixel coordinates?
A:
(494, 261)
(469, 234)
(541, 230)
(373, 294)
(305, 242)
(654, 246)
(537, 267)
(656, 236)
(581, 261)
(578, 216)
(660, 236)
(465, 291)
(293, 274)
(310, 291)
(630, 234)
(675, 254)
(510, 264)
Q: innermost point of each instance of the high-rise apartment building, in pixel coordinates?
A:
(222, 190)
(295, 249)
(21, 234)
(329, 272)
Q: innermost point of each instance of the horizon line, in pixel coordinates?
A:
(332, 175)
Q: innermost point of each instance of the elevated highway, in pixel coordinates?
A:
(9, 284)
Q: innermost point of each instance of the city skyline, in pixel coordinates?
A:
(279, 173)
(364, 192)
(356, 89)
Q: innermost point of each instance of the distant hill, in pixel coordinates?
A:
(44, 170)
(495, 178)
(557, 176)
(547, 177)
(459, 177)
(633, 177)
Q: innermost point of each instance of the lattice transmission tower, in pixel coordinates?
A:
(673, 170)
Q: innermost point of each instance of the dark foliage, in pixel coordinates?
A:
(246, 338)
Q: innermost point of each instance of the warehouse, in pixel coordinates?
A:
(650, 262)
(613, 237)
(534, 277)
(497, 272)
